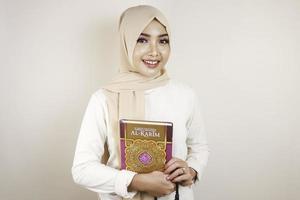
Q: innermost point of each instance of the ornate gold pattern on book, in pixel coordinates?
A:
(145, 156)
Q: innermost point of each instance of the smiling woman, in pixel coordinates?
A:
(141, 91)
(152, 49)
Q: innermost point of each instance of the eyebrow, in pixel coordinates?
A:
(147, 35)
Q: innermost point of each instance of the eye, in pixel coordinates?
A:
(164, 41)
(142, 40)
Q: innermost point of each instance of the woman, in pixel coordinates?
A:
(142, 90)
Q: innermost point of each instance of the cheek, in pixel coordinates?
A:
(164, 49)
(140, 50)
(165, 53)
(137, 55)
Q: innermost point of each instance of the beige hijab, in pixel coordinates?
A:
(125, 93)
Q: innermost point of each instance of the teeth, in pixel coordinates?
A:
(151, 62)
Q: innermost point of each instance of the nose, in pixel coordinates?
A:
(154, 49)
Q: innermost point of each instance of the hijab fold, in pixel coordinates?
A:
(125, 93)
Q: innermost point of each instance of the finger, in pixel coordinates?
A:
(184, 177)
(170, 162)
(176, 173)
(175, 163)
(175, 160)
(172, 167)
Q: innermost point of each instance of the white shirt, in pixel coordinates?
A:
(174, 102)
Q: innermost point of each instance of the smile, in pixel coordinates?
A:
(151, 63)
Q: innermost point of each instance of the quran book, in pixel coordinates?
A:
(146, 146)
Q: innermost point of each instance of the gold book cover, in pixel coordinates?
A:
(145, 146)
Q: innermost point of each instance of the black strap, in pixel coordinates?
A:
(177, 192)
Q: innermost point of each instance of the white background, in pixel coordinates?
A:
(241, 56)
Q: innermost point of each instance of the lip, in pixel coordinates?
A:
(151, 63)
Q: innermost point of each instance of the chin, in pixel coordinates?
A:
(147, 71)
(150, 73)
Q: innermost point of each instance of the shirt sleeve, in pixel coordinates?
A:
(197, 144)
(87, 169)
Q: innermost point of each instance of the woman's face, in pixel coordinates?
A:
(152, 49)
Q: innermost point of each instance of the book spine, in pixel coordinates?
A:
(122, 145)
(169, 143)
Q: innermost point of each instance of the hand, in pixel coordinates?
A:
(180, 172)
(154, 183)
